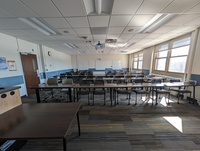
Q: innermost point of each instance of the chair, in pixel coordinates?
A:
(51, 92)
(84, 90)
(160, 90)
(123, 91)
(99, 91)
(141, 90)
(180, 90)
(65, 91)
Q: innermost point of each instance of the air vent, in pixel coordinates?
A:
(111, 40)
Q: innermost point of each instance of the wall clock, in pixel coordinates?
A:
(49, 53)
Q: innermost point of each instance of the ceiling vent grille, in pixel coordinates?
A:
(111, 40)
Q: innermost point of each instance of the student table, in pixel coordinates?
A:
(39, 121)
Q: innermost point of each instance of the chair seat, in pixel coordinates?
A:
(141, 91)
(181, 90)
(83, 92)
(99, 92)
(163, 91)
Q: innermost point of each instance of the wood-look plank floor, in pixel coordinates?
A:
(132, 127)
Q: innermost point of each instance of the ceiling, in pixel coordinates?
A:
(75, 24)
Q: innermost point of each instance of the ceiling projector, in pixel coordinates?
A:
(99, 45)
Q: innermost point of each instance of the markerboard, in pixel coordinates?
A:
(83, 65)
(117, 64)
(100, 65)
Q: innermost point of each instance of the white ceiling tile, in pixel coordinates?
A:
(131, 30)
(57, 22)
(115, 30)
(4, 14)
(70, 7)
(140, 20)
(153, 35)
(120, 20)
(82, 31)
(98, 21)
(195, 9)
(153, 6)
(43, 8)
(70, 31)
(125, 7)
(16, 8)
(194, 22)
(78, 22)
(140, 36)
(99, 38)
(179, 6)
(182, 19)
(164, 29)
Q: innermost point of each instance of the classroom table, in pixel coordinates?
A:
(39, 121)
(40, 87)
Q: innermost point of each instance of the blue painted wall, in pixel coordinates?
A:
(195, 77)
(10, 81)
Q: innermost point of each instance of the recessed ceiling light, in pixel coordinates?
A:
(65, 31)
(130, 30)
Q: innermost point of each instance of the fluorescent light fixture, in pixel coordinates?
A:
(70, 45)
(39, 25)
(97, 7)
(156, 22)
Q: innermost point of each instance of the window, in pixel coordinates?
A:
(137, 61)
(161, 57)
(178, 57)
(172, 56)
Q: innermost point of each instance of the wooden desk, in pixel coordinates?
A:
(46, 86)
(39, 121)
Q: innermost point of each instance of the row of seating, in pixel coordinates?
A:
(117, 91)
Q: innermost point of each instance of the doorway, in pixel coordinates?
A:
(30, 69)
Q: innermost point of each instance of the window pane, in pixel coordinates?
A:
(135, 65)
(160, 64)
(182, 42)
(180, 51)
(140, 65)
(163, 47)
(136, 59)
(161, 54)
(177, 64)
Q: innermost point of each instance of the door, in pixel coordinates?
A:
(30, 68)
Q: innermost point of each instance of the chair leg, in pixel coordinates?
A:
(129, 99)
(104, 99)
(88, 99)
(135, 98)
(117, 98)
(178, 98)
(93, 99)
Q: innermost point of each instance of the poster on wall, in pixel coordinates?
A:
(3, 64)
(12, 65)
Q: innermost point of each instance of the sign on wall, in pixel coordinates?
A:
(12, 65)
(3, 63)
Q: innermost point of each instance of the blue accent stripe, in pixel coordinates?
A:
(56, 73)
(10, 81)
(195, 77)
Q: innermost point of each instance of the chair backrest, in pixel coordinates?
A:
(67, 81)
(98, 82)
(138, 81)
(174, 80)
(156, 81)
(52, 81)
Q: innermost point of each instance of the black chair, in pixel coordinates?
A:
(140, 90)
(85, 90)
(65, 91)
(99, 91)
(160, 90)
(122, 91)
(50, 94)
(180, 90)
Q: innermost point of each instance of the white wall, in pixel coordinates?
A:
(147, 58)
(57, 61)
(10, 48)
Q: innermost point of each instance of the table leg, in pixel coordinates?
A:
(70, 95)
(78, 122)
(111, 96)
(64, 144)
(37, 91)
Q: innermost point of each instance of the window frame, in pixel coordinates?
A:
(169, 53)
(138, 58)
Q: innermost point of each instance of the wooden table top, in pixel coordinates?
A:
(38, 121)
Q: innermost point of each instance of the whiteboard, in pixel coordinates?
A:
(83, 65)
(117, 64)
(100, 65)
